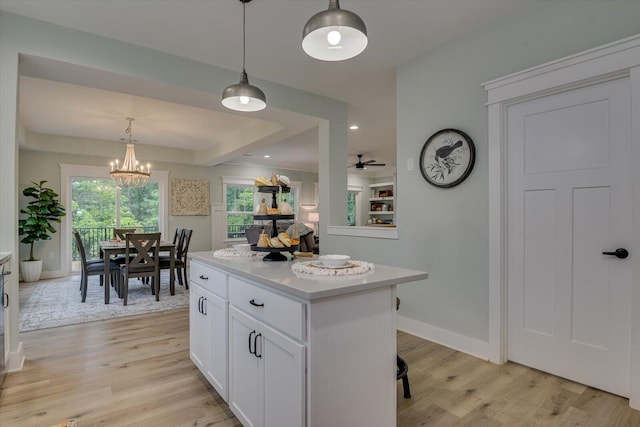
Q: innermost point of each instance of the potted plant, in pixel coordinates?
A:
(42, 211)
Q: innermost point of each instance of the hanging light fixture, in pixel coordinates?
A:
(243, 96)
(130, 174)
(334, 34)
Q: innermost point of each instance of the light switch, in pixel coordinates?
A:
(410, 164)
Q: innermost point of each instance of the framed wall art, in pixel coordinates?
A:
(189, 197)
(447, 158)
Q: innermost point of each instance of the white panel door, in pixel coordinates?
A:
(569, 195)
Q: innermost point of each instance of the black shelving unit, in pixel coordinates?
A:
(275, 254)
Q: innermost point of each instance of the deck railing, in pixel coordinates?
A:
(92, 236)
(236, 231)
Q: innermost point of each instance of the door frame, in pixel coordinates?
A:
(614, 60)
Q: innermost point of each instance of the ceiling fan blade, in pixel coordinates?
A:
(368, 162)
(377, 164)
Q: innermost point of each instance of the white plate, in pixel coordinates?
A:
(321, 265)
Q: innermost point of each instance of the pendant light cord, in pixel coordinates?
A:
(244, 34)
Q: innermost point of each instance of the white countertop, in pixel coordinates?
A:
(278, 275)
(4, 257)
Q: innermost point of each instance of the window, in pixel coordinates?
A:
(239, 201)
(351, 208)
(353, 205)
(95, 206)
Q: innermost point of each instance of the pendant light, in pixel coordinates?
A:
(243, 96)
(130, 174)
(334, 34)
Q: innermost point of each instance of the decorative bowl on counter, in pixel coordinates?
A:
(334, 260)
(242, 247)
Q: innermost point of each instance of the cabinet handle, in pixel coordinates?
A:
(7, 304)
(204, 306)
(255, 304)
(251, 351)
(255, 346)
(203, 277)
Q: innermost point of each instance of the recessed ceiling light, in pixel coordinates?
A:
(266, 156)
(354, 127)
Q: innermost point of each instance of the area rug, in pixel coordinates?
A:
(56, 302)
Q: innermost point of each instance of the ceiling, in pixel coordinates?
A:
(210, 31)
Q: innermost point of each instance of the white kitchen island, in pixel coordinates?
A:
(295, 350)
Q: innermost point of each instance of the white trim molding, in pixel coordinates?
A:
(614, 60)
(468, 345)
(370, 232)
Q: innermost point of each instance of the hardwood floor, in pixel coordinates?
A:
(450, 388)
(136, 371)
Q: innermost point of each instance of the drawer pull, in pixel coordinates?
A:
(251, 351)
(255, 346)
(255, 304)
(203, 277)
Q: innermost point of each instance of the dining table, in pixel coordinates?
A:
(109, 248)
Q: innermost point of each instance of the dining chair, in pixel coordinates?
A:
(180, 259)
(120, 233)
(141, 260)
(92, 267)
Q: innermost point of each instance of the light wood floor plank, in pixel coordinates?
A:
(136, 371)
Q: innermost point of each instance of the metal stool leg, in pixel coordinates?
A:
(403, 369)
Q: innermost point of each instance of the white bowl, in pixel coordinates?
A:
(242, 247)
(334, 260)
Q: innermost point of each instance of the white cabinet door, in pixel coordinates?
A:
(282, 378)
(197, 327)
(208, 336)
(244, 396)
(216, 342)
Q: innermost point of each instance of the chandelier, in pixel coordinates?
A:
(130, 174)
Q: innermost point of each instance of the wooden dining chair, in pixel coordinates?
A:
(141, 260)
(180, 259)
(93, 267)
(121, 233)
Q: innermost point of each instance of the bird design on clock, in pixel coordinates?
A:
(447, 158)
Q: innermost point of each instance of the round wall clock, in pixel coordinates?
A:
(447, 158)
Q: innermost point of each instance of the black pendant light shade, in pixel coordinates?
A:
(243, 96)
(334, 34)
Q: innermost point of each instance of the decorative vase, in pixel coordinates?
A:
(31, 270)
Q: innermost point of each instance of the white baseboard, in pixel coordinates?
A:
(15, 359)
(471, 346)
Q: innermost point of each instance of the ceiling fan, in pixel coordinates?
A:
(363, 165)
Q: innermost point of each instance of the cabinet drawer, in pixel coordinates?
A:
(276, 310)
(209, 278)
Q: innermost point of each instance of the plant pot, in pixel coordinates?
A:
(31, 270)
